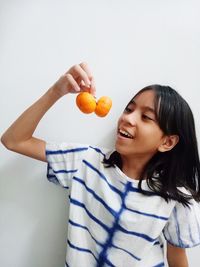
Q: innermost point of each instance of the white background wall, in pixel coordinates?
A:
(128, 44)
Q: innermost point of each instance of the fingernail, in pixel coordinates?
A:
(94, 93)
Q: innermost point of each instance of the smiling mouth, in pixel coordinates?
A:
(125, 134)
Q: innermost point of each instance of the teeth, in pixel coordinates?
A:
(126, 134)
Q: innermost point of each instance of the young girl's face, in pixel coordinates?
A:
(139, 134)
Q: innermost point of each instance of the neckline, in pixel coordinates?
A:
(127, 178)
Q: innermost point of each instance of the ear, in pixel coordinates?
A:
(169, 141)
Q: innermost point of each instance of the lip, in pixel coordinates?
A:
(122, 138)
(123, 129)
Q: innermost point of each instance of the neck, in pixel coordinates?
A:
(132, 167)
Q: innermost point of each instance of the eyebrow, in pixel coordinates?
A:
(144, 107)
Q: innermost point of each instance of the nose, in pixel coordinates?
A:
(130, 118)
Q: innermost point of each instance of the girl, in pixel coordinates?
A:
(122, 202)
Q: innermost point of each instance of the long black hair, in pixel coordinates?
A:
(167, 172)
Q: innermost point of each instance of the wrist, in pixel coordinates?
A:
(56, 92)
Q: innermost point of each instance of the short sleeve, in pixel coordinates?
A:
(63, 161)
(183, 227)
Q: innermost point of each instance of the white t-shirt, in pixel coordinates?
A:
(111, 223)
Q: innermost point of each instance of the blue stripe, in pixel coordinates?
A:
(108, 263)
(98, 150)
(158, 243)
(108, 243)
(148, 214)
(81, 249)
(84, 227)
(54, 179)
(133, 256)
(159, 265)
(167, 236)
(95, 195)
(177, 227)
(103, 177)
(144, 236)
(54, 152)
(65, 171)
(77, 203)
(136, 189)
(66, 264)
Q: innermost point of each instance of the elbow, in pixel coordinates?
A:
(6, 142)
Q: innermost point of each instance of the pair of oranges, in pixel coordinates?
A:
(87, 103)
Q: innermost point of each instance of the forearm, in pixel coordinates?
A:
(176, 257)
(23, 128)
(179, 264)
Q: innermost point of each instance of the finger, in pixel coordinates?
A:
(90, 89)
(93, 87)
(86, 68)
(85, 88)
(73, 83)
(89, 73)
(77, 72)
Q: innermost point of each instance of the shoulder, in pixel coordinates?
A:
(65, 149)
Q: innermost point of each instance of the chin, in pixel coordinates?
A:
(121, 150)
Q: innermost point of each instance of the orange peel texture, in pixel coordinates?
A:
(86, 102)
(103, 106)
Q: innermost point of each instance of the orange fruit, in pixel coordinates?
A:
(86, 102)
(103, 106)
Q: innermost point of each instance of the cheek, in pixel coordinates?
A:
(153, 133)
(119, 120)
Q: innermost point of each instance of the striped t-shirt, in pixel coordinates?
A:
(111, 223)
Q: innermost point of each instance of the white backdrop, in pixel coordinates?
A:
(127, 44)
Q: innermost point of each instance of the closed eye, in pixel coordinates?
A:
(146, 117)
(127, 109)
